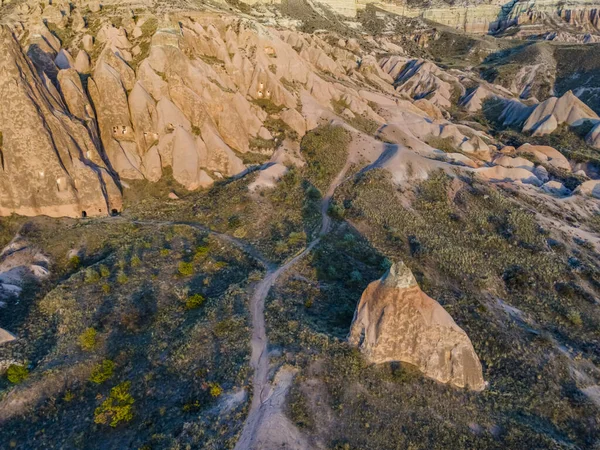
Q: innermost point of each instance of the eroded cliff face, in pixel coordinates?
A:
(50, 164)
(396, 321)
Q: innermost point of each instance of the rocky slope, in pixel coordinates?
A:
(266, 166)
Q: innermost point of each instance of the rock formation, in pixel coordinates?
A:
(396, 321)
(5, 336)
(49, 163)
(21, 262)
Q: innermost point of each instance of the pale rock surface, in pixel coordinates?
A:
(568, 109)
(396, 321)
(555, 188)
(42, 171)
(510, 174)
(593, 137)
(82, 62)
(542, 173)
(87, 42)
(5, 336)
(268, 177)
(590, 187)
(546, 155)
(508, 161)
(20, 262)
(294, 120)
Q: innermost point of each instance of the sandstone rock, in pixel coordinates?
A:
(5, 336)
(110, 102)
(87, 42)
(429, 108)
(474, 101)
(593, 137)
(547, 155)
(396, 321)
(542, 173)
(555, 188)
(294, 120)
(568, 109)
(42, 172)
(508, 161)
(64, 60)
(74, 95)
(509, 174)
(82, 62)
(590, 187)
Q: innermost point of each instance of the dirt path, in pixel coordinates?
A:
(260, 412)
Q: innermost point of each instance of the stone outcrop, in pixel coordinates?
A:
(21, 262)
(5, 336)
(548, 115)
(49, 163)
(396, 321)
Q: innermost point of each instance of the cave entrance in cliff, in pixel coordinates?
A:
(83, 214)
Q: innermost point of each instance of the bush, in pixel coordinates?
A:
(186, 269)
(104, 271)
(117, 408)
(87, 339)
(575, 318)
(16, 373)
(194, 301)
(136, 261)
(122, 278)
(102, 371)
(201, 252)
(74, 263)
(215, 389)
(106, 288)
(91, 276)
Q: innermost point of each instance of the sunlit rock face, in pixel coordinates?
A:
(396, 321)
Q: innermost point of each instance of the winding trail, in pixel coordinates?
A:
(263, 390)
(259, 361)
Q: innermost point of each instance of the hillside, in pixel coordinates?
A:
(259, 226)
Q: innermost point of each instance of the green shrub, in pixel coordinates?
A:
(88, 339)
(326, 150)
(91, 275)
(102, 371)
(74, 263)
(575, 318)
(201, 252)
(104, 271)
(106, 288)
(117, 408)
(16, 373)
(185, 269)
(164, 252)
(122, 278)
(215, 389)
(136, 261)
(194, 301)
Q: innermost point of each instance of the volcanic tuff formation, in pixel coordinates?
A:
(396, 321)
(49, 161)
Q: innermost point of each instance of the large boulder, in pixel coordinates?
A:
(396, 321)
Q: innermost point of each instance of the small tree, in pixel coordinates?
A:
(16, 373)
(117, 408)
(87, 339)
